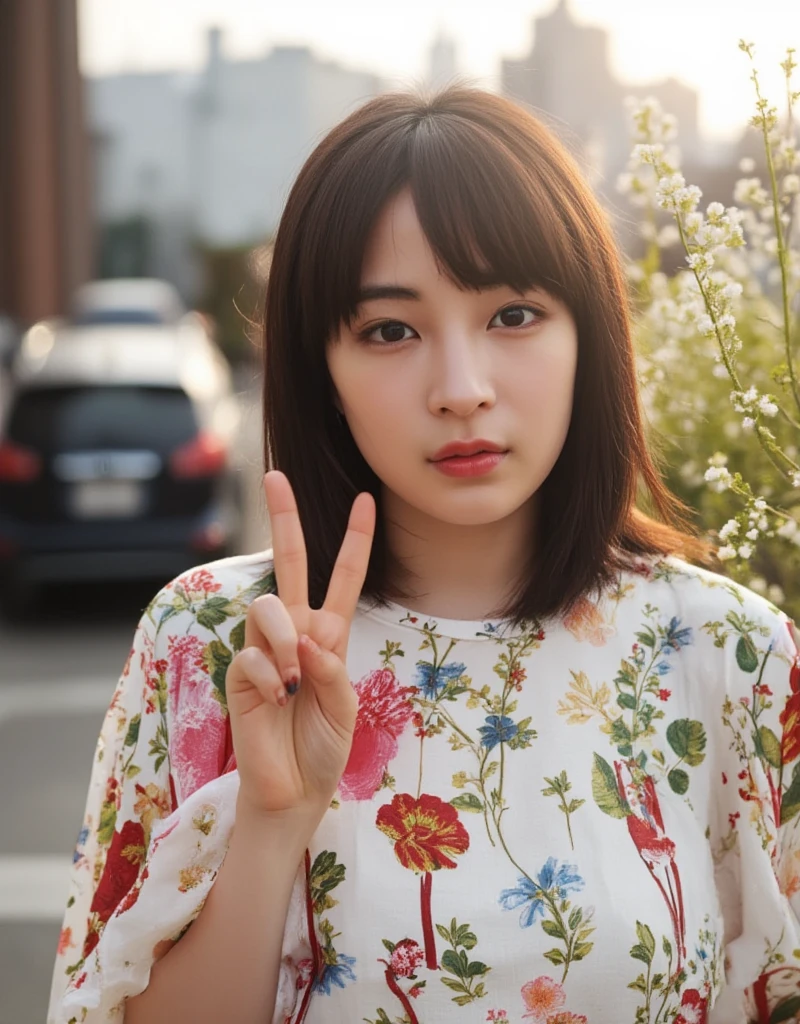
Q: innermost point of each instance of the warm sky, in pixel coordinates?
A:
(694, 40)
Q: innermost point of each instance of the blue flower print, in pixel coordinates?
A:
(553, 882)
(336, 974)
(498, 729)
(83, 835)
(432, 681)
(675, 638)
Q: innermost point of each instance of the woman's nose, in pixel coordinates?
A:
(461, 378)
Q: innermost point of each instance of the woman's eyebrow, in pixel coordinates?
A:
(385, 291)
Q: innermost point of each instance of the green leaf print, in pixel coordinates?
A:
(559, 786)
(605, 791)
(688, 739)
(645, 948)
(786, 1011)
(768, 745)
(678, 781)
(217, 658)
(215, 611)
(467, 802)
(456, 962)
(108, 819)
(237, 636)
(132, 735)
(746, 654)
(325, 875)
(790, 804)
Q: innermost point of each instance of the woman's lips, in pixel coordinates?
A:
(478, 464)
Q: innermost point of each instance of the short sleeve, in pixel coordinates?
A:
(159, 815)
(760, 872)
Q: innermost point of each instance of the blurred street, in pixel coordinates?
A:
(57, 675)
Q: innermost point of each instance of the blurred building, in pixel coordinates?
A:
(208, 157)
(567, 76)
(45, 232)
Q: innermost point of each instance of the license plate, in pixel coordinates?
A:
(104, 499)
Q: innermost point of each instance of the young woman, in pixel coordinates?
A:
(512, 758)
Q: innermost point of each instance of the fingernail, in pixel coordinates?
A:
(311, 646)
(282, 699)
(291, 684)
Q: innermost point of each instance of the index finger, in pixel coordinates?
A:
(288, 543)
(352, 563)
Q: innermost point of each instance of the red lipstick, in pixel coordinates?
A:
(475, 457)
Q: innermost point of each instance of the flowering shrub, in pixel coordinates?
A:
(717, 340)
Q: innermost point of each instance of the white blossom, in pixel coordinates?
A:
(747, 165)
(745, 551)
(730, 528)
(726, 552)
(791, 184)
(766, 406)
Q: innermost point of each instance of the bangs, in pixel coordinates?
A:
(488, 205)
(488, 219)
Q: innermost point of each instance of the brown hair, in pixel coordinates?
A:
(492, 187)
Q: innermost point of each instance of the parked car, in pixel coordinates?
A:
(117, 456)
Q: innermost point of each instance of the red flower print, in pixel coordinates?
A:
(384, 710)
(664, 694)
(426, 831)
(406, 958)
(542, 998)
(427, 834)
(694, 1008)
(790, 720)
(125, 855)
(567, 1018)
(200, 582)
(656, 849)
(91, 940)
(197, 732)
(64, 941)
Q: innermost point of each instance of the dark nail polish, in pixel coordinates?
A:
(292, 686)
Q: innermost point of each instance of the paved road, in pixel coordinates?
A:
(57, 675)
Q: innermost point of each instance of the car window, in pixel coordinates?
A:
(93, 317)
(82, 418)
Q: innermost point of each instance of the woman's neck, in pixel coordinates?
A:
(456, 572)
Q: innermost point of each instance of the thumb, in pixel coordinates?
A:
(326, 673)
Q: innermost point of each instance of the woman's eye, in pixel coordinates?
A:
(514, 316)
(391, 331)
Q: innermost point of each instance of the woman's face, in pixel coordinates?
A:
(427, 364)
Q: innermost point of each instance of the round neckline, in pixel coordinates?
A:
(454, 629)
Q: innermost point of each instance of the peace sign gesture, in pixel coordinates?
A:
(292, 706)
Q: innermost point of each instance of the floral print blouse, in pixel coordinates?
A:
(588, 820)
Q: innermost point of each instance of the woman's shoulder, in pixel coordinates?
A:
(212, 595)
(697, 595)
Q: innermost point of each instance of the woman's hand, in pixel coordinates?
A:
(292, 706)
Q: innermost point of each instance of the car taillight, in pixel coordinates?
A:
(17, 464)
(206, 455)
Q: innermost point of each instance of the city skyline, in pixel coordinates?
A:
(696, 43)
